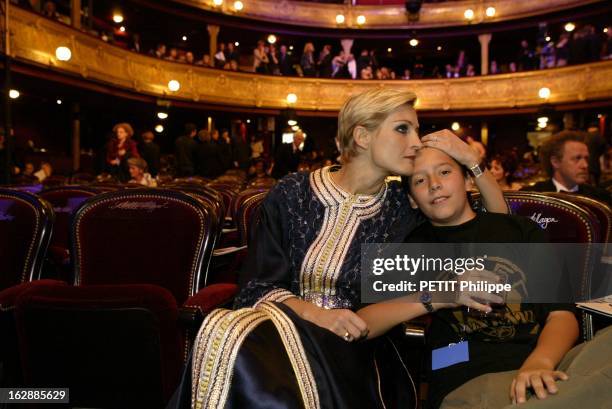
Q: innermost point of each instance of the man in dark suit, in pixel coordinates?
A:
(565, 157)
(150, 152)
(287, 156)
(184, 148)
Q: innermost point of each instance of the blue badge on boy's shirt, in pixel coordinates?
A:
(450, 355)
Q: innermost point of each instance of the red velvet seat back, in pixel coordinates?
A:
(137, 236)
(113, 346)
(241, 197)
(601, 210)
(25, 228)
(227, 195)
(65, 200)
(563, 221)
(248, 216)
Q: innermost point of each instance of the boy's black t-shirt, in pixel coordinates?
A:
(495, 344)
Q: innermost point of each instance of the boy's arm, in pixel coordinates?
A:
(538, 370)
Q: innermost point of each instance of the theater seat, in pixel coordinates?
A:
(26, 222)
(65, 200)
(564, 221)
(112, 345)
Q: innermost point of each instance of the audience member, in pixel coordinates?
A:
(119, 149)
(150, 152)
(260, 59)
(220, 56)
(307, 61)
(44, 172)
(185, 149)
(288, 156)
(139, 174)
(565, 158)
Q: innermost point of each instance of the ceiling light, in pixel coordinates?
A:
(59, 102)
(414, 42)
(236, 43)
(174, 85)
(117, 18)
(291, 47)
(361, 20)
(14, 94)
(544, 93)
(238, 5)
(468, 14)
(184, 38)
(455, 126)
(490, 11)
(291, 98)
(248, 121)
(439, 48)
(63, 53)
(271, 38)
(605, 30)
(159, 128)
(569, 27)
(340, 18)
(547, 38)
(389, 49)
(162, 115)
(291, 122)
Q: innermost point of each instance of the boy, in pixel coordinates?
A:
(525, 337)
(438, 188)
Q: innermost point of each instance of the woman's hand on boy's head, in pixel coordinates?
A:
(451, 144)
(542, 381)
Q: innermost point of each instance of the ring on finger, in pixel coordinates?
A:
(347, 337)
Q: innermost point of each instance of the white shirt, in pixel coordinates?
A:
(561, 188)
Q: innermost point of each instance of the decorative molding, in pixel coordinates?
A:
(35, 39)
(442, 14)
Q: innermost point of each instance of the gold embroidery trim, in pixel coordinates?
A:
(218, 343)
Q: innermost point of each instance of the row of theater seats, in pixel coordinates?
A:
(130, 270)
(142, 274)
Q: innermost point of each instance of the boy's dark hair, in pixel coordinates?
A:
(554, 145)
(407, 180)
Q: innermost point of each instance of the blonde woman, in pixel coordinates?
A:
(293, 342)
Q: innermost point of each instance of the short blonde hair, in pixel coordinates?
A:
(369, 110)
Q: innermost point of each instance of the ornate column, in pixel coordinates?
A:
(484, 40)
(75, 13)
(213, 34)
